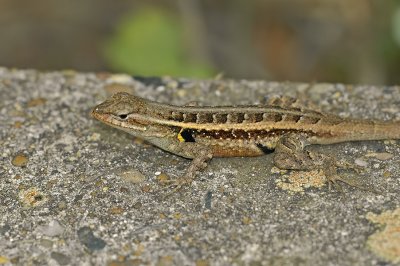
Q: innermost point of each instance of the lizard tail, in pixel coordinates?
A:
(375, 130)
(359, 130)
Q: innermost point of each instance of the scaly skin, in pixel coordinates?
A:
(201, 133)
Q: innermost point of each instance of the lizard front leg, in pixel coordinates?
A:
(200, 155)
(290, 154)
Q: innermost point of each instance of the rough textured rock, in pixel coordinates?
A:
(69, 200)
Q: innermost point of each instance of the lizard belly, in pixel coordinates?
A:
(219, 151)
(238, 148)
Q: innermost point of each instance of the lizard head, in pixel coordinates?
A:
(122, 111)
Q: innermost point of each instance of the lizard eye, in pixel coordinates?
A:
(123, 116)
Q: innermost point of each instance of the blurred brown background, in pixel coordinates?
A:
(354, 41)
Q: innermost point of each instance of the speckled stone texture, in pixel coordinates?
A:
(76, 192)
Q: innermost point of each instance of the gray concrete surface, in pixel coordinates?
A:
(76, 192)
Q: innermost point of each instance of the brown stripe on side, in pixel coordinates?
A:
(248, 135)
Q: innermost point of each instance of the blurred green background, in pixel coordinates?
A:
(355, 41)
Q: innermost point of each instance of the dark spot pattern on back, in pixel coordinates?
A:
(177, 116)
(235, 118)
(253, 117)
(272, 117)
(258, 117)
(220, 118)
(203, 118)
(291, 118)
(189, 117)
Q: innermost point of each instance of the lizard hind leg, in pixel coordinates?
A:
(291, 155)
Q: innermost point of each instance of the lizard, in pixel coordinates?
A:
(203, 132)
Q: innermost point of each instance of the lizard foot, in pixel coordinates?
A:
(334, 179)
